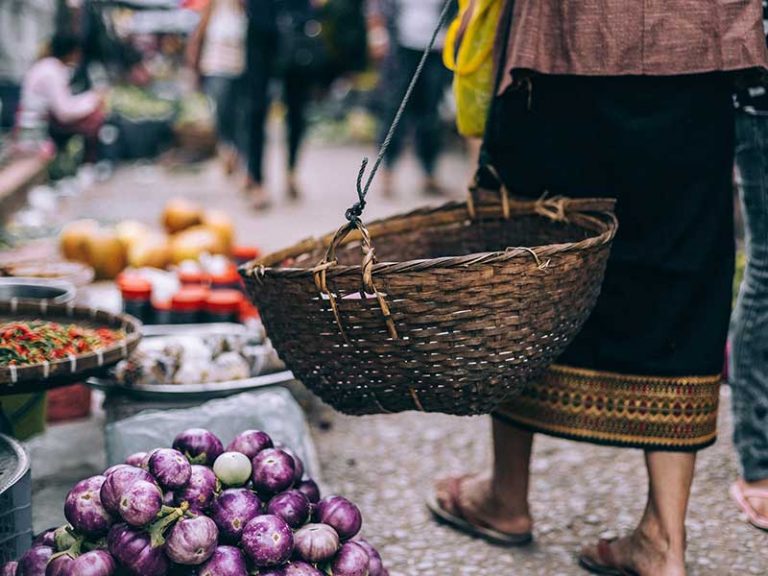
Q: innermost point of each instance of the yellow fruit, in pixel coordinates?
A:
(105, 254)
(73, 239)
(131, 232)
(191, 243)
(180, 214)
(221, 224)
(152, 251)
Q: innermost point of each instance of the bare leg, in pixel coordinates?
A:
(657, 546)
(498, 499)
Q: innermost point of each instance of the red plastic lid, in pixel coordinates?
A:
(190, 298)
(227, 278)
(194, 277)
(248, 311)
(224, 301)
(245, 253)
(161, 305)
(134, 287)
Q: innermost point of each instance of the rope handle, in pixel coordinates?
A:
(320, 273)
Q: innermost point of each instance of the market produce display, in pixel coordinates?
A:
(200, 509)
(196, 360)
(37, 341)
(188, 233)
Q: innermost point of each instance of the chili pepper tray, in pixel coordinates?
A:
(21, 379)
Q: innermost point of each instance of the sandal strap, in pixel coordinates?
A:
(754, 492)
(454, 493)
(604, 552)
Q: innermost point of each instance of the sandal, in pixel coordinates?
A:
(603, 562)
(456, 518)
(742, 493)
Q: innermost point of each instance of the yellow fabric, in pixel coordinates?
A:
(469, 54)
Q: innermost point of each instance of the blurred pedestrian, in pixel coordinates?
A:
(749, 344)
(602, 99)
(399, 32)
(216, 52)
(48, 106)
(282, 44)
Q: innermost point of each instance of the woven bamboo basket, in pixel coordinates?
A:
(455, 311)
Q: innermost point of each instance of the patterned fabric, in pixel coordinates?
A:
(654, 37)
(754, 100)
(620, 410)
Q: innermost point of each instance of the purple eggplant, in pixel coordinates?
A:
(273, 571)
(268, 541)
(298, 465)
(60, 566)
(170, 467)
(352, 560)
(250, 443)
(34, 561)
(46, 538)
(118, 482)
(316, 543)
(9, 569)
(232, 510)
(84, 510)
(375, 564)
(226, 561)
(140, 503)
(132, 548)
(145, 461)
(169, 498)
(273, 471)
(292, 506)
(115, 468)
(200, 489)
(310, 489)
(93, 563)
(199, 445)
(299, 568)
(341, 514)
(192, 541)
(136, 459)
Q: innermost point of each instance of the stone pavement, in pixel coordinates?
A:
(387, 463)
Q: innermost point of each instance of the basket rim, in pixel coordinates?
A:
(72, 313)
(595, 214)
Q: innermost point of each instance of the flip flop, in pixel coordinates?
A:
(741, 493)
(456, 518)
(605, 563)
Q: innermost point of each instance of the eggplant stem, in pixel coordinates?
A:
(158, 529)
(74, 550)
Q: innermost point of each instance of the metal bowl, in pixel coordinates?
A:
(33, 289)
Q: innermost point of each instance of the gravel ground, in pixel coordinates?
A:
(580, 491)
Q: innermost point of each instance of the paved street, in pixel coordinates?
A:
(387, 463)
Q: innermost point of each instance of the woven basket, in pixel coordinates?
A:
(460, 306)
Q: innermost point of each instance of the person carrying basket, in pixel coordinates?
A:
(629, 100)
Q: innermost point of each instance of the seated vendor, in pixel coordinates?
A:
(48, 106)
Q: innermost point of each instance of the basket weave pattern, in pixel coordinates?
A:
(453, 314)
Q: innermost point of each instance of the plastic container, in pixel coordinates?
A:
(229, 279)
(15, 500)
(69, 403)
(161, 310)
(194, 278)
(188, 305)
(224, 306)
(137, 297)
(25, 413)
(244, 254)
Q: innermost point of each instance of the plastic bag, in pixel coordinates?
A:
(274, 411)
(468, 53)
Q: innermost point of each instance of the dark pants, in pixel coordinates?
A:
(749, 344)
(9, 98)
(296, 91)
(422, 114)
(228, 96)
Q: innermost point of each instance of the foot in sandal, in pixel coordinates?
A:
(636, 555)
(467, 503)
(752, 499)
(258, 196)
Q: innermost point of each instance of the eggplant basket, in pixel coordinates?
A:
(456, 310)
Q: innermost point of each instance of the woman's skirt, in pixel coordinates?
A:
(645, 370)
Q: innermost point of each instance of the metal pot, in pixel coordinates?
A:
(53, 291)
